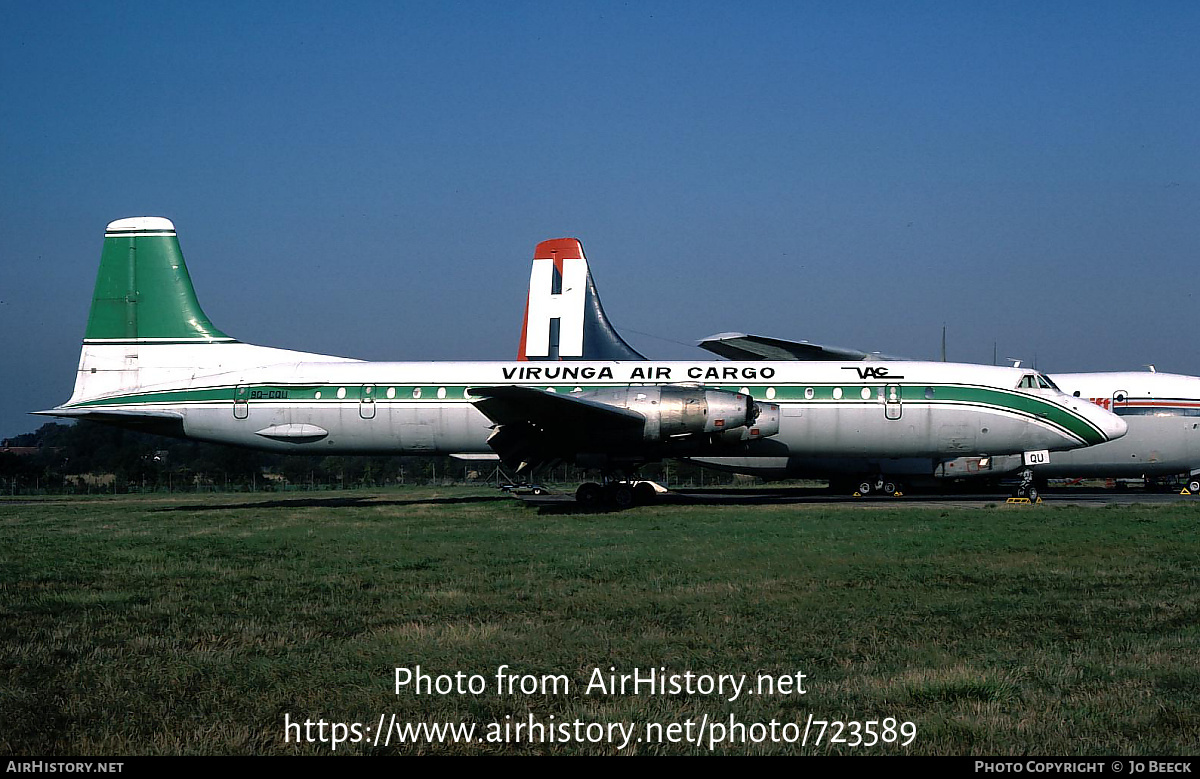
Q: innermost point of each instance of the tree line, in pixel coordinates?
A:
(94, 458)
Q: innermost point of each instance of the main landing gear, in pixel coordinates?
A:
(615, 494)
(877, 486)
(874, 484)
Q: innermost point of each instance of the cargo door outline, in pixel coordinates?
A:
(366, 401)
(893, 401)
(956, 438)
(417, 431)
(241, 401)
(1120, 399)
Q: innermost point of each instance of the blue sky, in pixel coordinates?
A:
(370, 179)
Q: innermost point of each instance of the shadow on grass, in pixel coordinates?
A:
(339, 502)
(558, 505)
(564, 504)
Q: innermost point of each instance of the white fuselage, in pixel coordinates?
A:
(296, 402)
(1162, 411)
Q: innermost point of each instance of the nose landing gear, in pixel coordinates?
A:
(1026, 490)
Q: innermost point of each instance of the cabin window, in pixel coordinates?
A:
(929, 393)
(808, 393)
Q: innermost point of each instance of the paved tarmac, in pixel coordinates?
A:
(1074, 496)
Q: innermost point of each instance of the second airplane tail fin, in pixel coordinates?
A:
(564, 319)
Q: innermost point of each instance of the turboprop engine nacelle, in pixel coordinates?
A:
(680, 412)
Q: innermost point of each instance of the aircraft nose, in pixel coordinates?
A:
(1109, 423)
(1116, 428)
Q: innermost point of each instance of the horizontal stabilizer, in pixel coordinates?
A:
(168, 423)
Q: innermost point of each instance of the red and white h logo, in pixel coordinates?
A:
(546, 305)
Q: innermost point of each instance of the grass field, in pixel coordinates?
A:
(194, 625)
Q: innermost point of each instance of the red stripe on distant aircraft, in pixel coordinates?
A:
(1160, 403)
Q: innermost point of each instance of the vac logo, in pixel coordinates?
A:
(547, 306)
(872, 372)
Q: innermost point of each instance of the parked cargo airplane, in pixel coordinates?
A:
(1162, 411)
(151, 359)
(565, 321)
(564, 287)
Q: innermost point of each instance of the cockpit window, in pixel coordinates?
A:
(1037, 381)
(1045, 383)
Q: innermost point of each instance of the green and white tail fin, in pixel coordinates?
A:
(146, 332)
(143, 291)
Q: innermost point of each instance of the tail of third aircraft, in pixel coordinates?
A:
(563, 316)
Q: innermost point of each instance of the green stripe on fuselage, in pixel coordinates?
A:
(912, 395)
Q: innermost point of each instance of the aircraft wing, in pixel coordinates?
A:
(536, 428)
(740, 346)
